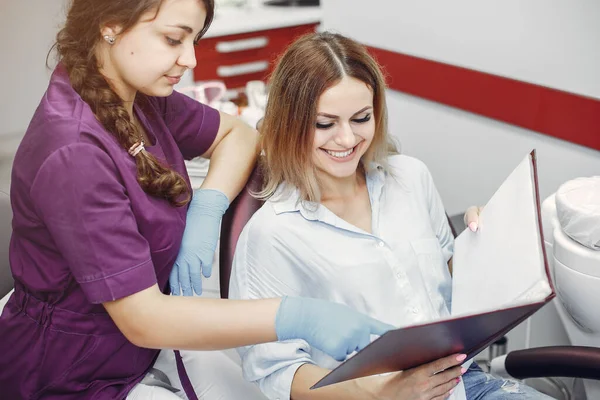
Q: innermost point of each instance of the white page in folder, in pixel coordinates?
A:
(502, 264)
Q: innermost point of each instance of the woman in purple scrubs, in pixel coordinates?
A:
(100, 195)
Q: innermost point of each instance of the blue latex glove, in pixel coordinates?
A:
(333, 328)
(199, 241)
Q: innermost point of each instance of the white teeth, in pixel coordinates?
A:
(339, 154)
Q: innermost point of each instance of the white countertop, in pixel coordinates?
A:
(233, 20)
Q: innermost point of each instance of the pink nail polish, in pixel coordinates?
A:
(463, 370)
(473, 226)
(461, 357)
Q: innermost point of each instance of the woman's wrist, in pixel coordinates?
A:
(370, 387)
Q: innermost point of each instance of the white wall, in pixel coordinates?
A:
(27, 31)
(547, 42)
(470, 156)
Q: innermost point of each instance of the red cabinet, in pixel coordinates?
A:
(237, 59)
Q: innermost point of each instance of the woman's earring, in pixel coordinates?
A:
(109, 39)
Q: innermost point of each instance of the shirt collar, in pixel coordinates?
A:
(287, 198)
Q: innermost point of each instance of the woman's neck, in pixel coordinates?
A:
(341, 189)
(348, 198)
(126, 93)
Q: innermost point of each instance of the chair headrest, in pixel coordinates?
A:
(239, 213)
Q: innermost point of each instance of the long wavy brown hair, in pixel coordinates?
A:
(76, 48)
(310, 66)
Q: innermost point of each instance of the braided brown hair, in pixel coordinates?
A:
(76, 46)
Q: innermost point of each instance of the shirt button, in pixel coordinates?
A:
(381, 244)
(399, 275)
(415, 310)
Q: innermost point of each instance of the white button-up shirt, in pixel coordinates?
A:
(397, 274)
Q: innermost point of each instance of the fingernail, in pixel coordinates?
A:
(457, 381)
(473, 226)
(461, 357)
(451, 391)
(463, 370)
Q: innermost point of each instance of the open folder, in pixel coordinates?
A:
(500, 278)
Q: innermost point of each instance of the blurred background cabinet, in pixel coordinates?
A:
(239, 58)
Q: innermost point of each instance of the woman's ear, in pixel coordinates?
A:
(110, 31)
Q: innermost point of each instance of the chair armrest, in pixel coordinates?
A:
(565, 361)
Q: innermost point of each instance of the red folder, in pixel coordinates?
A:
(416, 345)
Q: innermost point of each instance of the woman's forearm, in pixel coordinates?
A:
(309, 374)
(232, 161)
(153, 320)
(212, 324)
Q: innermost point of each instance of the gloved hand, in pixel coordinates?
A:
(199, 241)
(333, 328)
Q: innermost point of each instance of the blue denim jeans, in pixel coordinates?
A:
(482, 386)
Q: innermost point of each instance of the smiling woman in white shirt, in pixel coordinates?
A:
(350, 220)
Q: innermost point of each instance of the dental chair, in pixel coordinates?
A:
(571, 223)
(238, 214)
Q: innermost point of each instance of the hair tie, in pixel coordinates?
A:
(136, 148)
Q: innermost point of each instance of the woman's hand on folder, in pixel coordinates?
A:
(471, 217)
(433, 381)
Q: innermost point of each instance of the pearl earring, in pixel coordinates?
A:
(109, 39)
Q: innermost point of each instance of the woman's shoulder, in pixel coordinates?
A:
(407, 167)
(274, 219)
(61, 106)
(53, 133)
(265, 221)
(60, 138)
(63, 118)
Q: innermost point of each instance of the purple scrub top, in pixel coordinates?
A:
(84, 233)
